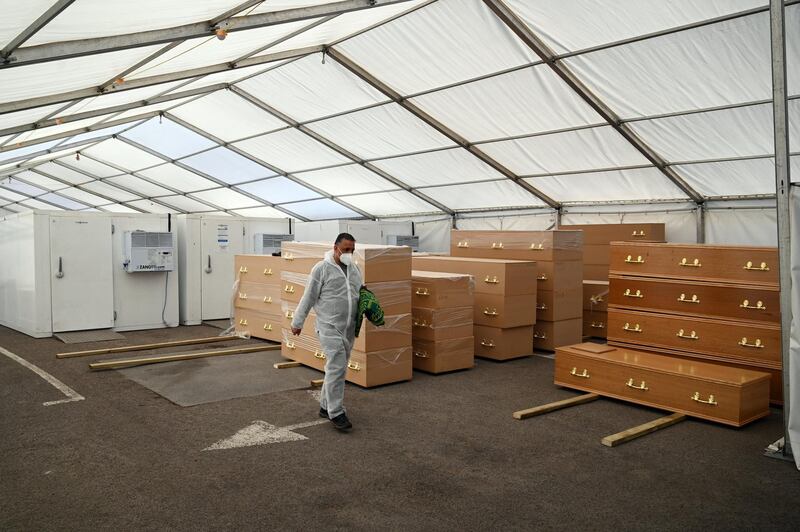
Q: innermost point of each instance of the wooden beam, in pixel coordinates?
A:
(131, 362)
(143, 347)
(285, 365)
(636, 432)
(558, 405)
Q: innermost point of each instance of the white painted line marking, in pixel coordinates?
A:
(71, 394)
(263, 433)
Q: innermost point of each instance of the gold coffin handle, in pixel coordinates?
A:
(637, 294)
(242, 269)
(543, 306)
(537, 247)
(758, 306)
(267, 326)
(492, 312)
(762, 268)
(756, 345)
(420, 323)
(242, 296)
(491, 280)
(696, 397)
(497, 245)
(584, 374)
(267, 299)
(243, 321)
(692, 336)
(354, 366)
(319, 354)
(596, 299)
(267, 271)
(422, 292)
(637, 233)
(464, 244)
(539, 336)
(597, 325)
(289, 289)
(487, 343)
(287, 256)
(642, 386)
(542, 277)
(421, 354)
(290, 314)
(636, 328)
(289, 345)
(630, 260)
(685, 262)
(684, 299)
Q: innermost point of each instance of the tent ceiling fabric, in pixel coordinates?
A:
(472, 108)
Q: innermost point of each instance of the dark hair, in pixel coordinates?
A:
(344, 236)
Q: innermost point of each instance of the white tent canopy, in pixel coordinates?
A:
(319, 109)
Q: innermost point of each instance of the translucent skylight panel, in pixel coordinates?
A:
(228, 166)
(413, 53)
(321, 209)
(20, 15)
(306, 89)
(260, 212)
(27, 150)
(228, 116)
(226, 198)
(598, 148)
(138, 185)
(350, 179)
(187, 204)
(104, 189)
(118, 208)
(85, 197)
(174, 176)
(279, 190)
(98, 133)
(119, 97)
(122, 155)
(157, 107)
(86, 165)
(28, 116)
(8, 195)
(228, 76)
(16, 185)
(40, 181)
(63, 202)
(492, 194)
(390, 203)
(730, 178)
(168, 138)
(455, 165)
(626, 185)
(381, 132)
(152, 206)
(40, 205)
(290, 150)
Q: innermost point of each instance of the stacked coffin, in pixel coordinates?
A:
(597, 240)
(380, 355)
(557, 255)
(595, 308)
(693, 301)
(442, 308)
(257, 296)
(505, 302)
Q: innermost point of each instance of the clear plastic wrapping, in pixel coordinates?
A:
(454, 347)
(443, 281)
(258, 296)
(445, 318)
(377, 263)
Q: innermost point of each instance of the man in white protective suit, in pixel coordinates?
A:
(333, 292)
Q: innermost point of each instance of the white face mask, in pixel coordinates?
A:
(346, 258)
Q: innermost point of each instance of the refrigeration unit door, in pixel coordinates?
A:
(220, 242)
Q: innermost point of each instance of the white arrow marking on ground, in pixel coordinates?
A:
(262, 433)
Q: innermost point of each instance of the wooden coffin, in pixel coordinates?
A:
(444, 355)
(595, 272)
(595, 323)
(717, 393)
(548, 335)
(518, 245)
(758, 343)
(492, 276)
(393, 296)
(441, 290)
(596, 254)
(557, 276)
(257, 324)
(503, 344)
(727, 264)
(504, 311)
(257, 268)
(559, 305)
(595, 295)
(692, 298)
(441, 324)
(377, 263)
(594, 234)
(262, 297)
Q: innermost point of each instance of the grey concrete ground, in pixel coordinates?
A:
(440, 452)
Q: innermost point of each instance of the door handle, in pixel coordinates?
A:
(60, 272)
(208, 268)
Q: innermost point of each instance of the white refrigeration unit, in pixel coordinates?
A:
(67, 271)
(207, 246)
(364, 231)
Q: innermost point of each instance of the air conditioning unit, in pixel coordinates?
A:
(149, 252)
(411, 241)
(267, 244)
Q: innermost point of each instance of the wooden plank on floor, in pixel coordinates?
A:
(144, 347)
(285, 365)
(131, 362)
(636, 432)
(558, 405)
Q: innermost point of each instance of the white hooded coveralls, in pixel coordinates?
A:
(334, 298)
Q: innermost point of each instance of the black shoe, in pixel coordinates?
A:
(323, 413)
(342, 423)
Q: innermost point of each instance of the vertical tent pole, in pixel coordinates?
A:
(782, 186)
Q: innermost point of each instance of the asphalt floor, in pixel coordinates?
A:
(436, 453)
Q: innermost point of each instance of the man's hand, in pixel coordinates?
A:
(296, 331)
